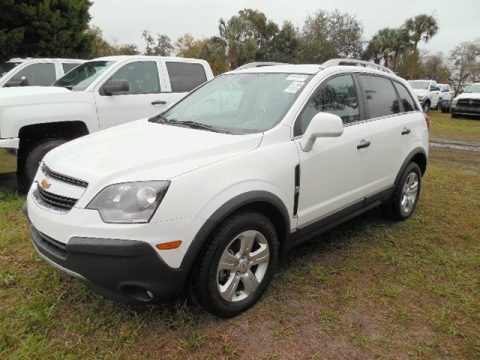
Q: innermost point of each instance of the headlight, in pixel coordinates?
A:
(420, 97)
(454, 102)
(129, 203)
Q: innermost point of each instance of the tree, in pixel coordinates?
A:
(285, 45)
(327, 35)
(435, 67)
(44, 28)
(387, 45)
(420, 28)
(162, 46)
(465, 63)
(211, 49)
(101, 47)
(248, 36)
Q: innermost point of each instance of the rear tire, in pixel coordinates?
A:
(28, 170)
(235, 269)
(404, 200)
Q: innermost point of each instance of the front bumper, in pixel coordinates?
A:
(462, 110)
(125, 270)
(10, 143)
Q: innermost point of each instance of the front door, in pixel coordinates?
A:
(333, 175)
(144, 97)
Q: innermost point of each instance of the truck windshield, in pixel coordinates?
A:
(82, 76)
(420, 85)
(475, 88)
(237, 103)
(6, 67)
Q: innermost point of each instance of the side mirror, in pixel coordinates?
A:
(322, 125)
(14, 83)
(115, 86)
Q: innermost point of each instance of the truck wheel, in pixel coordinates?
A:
(404, 200)
(27, 172)
(237, 266)
(426, 107)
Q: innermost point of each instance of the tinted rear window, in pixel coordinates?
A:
(380, 95)
(185, 77)
(406, 98)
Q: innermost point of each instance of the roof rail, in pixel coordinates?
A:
(354, 62)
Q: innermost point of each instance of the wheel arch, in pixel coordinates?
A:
(264, 202)
(417, 155)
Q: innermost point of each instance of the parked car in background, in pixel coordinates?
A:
(467, 103)
(427, 92)
(96, 95)
(35, 72)
(446, 96)
(206, 195)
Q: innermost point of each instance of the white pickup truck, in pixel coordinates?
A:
(96, 95)
(427, 92)
(35, 72)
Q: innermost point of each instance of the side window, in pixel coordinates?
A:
(380, 95)
(68, 66)
(141, 77)
(37, 74)
(336, 96)
(406, 98)
(185, 77)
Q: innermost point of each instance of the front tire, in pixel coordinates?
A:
(28, 170)
(404, 200)
(237, 266)
(426, 107)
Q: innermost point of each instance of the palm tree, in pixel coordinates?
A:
(421, 27)
(400, 42)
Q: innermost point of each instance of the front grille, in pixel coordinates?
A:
(54, 201)
(63, 178)
(54, 246)
(470, 103)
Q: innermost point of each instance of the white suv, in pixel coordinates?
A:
(206, 195)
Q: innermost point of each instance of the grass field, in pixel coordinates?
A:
(443, 127)
(368, 289)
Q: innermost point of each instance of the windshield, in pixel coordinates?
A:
(6, 67)
(420, 85)
(475, 88)
(82, 76)
(237, 103)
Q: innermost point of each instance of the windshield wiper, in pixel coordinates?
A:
(161, 119)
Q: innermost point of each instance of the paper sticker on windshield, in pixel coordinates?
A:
(294, 87)
(297, 77)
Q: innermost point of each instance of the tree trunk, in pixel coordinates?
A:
(413, 61)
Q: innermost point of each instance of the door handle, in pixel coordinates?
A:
(363, 144)
(159, 102)
(406, 131)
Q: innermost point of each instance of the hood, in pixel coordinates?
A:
(468, 96)
(142, 150)
(420, 92)
(29, 95)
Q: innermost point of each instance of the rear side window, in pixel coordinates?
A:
(337, 96)
(68, 66)
(380, 96)
(37, 74)
(406, 98)
(185, 77)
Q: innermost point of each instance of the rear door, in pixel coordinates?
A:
(333, 175)
(390, 117)
(144, 98)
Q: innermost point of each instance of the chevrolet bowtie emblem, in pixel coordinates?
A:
(45, 184)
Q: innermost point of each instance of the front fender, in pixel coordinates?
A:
(14, 118)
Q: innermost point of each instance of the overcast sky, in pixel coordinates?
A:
(124, 20)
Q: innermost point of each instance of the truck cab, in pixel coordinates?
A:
(96, 95)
